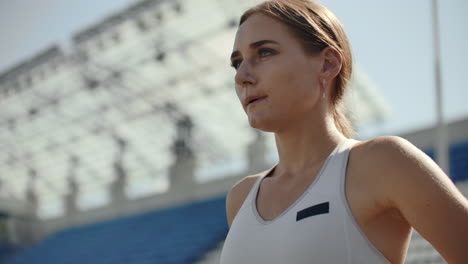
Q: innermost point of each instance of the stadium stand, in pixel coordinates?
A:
(180, 234)
(458, 153)
(7, 251)
(459, 162)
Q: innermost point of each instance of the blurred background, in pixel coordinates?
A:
(121, 133)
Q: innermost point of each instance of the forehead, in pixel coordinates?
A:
(260, 27)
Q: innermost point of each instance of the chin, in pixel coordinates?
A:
(262, 124)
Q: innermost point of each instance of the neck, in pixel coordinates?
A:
(304, 146)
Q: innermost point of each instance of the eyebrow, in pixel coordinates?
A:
(254, 45)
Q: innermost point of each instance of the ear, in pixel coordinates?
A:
(331, 65)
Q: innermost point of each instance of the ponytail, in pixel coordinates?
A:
(342, 122)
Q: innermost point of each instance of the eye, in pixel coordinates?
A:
(235, 63)
(264, 52)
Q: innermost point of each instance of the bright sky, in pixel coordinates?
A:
(392, 43)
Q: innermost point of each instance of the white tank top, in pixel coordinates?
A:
(317, 228)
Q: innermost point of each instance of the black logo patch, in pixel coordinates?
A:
(323, 208)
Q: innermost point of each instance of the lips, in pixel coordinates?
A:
(253, 99)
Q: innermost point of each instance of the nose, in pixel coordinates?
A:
(244, 75)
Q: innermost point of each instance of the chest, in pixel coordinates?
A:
(275, 198)
(277, 231)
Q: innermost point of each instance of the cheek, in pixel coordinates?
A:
(296, 87)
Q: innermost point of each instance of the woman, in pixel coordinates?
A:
(330, 199)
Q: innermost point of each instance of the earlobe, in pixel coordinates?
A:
(323, 88)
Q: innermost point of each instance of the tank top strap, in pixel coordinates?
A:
(334, 171)
(254, 189)
(344, 155)
(342, 159)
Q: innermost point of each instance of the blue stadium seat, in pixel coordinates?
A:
(458, 161)
(176, 235)
(6, 251)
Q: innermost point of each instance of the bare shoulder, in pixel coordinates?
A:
(386, 146)
(389, 153)
(390, 161)
(367, 161)
(405, 178)
(236, 196)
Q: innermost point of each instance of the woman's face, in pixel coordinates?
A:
(276, 81)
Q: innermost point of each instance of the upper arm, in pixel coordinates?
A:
(236, 196)
(424, 195)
